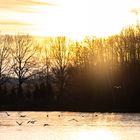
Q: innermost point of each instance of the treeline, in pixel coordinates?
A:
(95, 74)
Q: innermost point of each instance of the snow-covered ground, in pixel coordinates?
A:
(69, 126)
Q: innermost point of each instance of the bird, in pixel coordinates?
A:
(117, 87)
(28, 122)
(31, 121)
(46, 124)
(19, 123)
(7, 114)
(74, 120)
(22, 116)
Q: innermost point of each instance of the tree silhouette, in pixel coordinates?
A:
(61, 57)
(5, 62)
(23, 51)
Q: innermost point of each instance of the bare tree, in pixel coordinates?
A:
(23, 52)
(61, 57)
(46, 60)
(5, 62)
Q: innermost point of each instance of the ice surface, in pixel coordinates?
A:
(69, 126)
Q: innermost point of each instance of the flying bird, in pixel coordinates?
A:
(117, 87)
(74, 120)
(22, 116)
(19, 123)
(31, 121)
(7, 114)
(46, 124)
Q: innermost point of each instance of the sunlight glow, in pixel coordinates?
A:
(98, 134)
(84, 17)
(72, 18)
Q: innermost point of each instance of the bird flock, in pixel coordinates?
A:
(20, 122)
(32, 122)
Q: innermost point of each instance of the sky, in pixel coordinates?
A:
(73, 18)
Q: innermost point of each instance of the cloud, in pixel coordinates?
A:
(14, 23)
(22, 5)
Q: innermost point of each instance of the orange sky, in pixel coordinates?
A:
(73, 18)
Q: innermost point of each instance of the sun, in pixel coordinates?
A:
(72, 18)
(79, 18)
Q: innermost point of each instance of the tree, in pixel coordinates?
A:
(23, 52)
(46, 60)
(5, 62)
(61, 58)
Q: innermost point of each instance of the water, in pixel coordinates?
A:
(69, 126)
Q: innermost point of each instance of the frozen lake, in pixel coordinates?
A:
(69, 126)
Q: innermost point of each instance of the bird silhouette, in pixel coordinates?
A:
(74, 120)
(7, 114)
(22, 116)
(117, 87)
(31, 121)
(28, 122)
(19, 123)
(46, 124)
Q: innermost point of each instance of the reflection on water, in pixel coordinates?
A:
(98, 134)
(69, 126)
